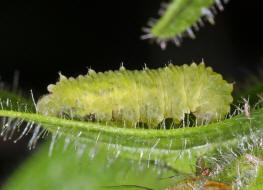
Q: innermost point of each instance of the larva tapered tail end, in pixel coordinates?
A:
(209, 96)
(181, 18)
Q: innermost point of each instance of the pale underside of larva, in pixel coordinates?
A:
(146, 96)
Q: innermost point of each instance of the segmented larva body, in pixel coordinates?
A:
(148, 96)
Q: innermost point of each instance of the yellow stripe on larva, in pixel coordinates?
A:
(147, 96)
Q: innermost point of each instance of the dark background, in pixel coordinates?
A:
(40, 38)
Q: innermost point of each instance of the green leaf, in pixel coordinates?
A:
(64, 170)
(245, 172)
(251, 93)
(179, 19)
(173, 147)
(257, 184)
(15, 102)
(254, 158)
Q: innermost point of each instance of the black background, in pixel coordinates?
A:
(40, 38)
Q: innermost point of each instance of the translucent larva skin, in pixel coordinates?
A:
(146, 96)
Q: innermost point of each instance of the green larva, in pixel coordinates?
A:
(147, 96)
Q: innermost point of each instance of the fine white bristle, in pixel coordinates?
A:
(219, 5)
(208, 15)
